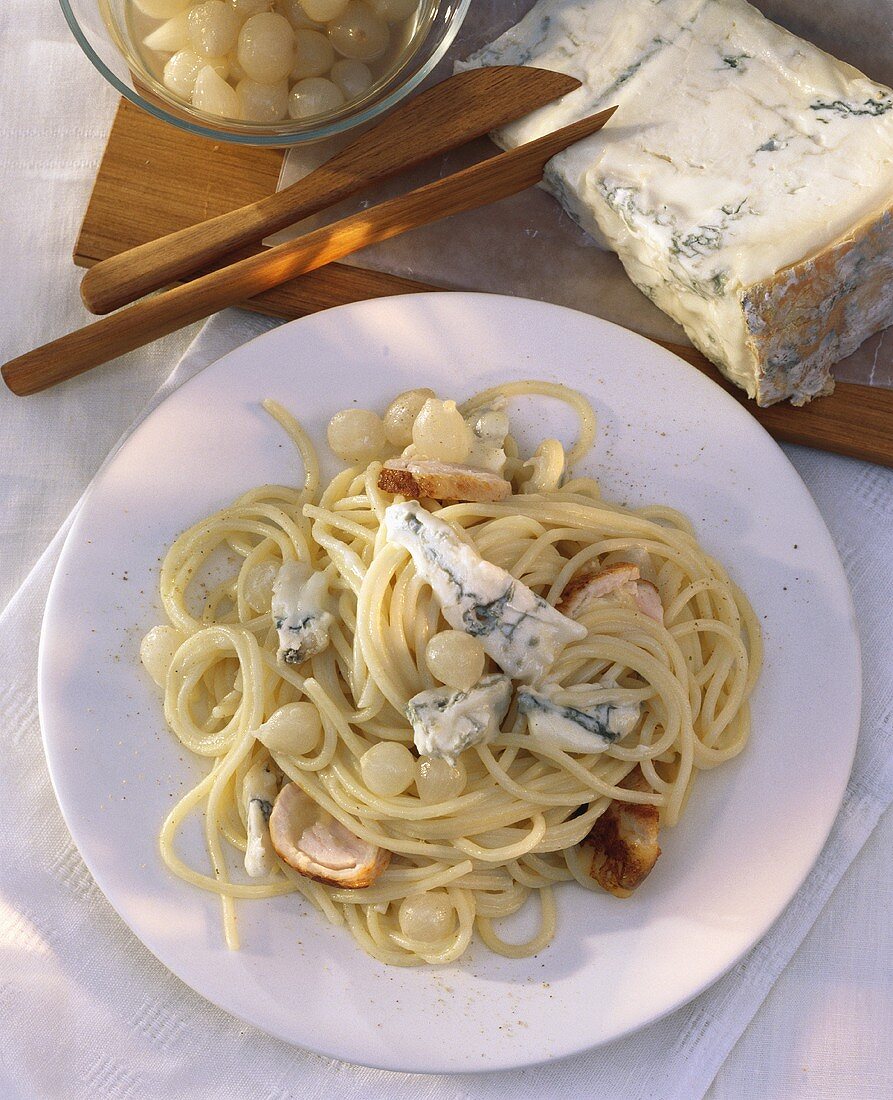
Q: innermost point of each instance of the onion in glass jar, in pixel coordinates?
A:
(358, 33)
(266, 47)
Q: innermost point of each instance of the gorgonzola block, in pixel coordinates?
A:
(746, 180)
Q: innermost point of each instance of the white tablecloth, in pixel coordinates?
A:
(823, 1031)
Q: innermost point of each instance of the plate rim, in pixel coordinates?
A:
(660, 353)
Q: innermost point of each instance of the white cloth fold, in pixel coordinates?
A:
(86, 1011)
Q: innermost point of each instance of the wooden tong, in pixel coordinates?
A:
(445, 116)
(495, 178)
(855, 421)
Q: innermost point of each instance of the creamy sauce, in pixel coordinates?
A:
(489, 426)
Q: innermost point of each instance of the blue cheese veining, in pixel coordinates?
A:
(575, 726)
(446, 722)
(299, 613)
(517, 628)
(259, 789)
(746, 180)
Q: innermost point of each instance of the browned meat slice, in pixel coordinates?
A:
(648, 601)
(620, 580)
(624, 842)
(319, 846)
(416, 478)
(581, 592)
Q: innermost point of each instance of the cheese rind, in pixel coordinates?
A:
(746, 181)
(848, 285)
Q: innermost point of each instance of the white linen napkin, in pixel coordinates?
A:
(87, 1011)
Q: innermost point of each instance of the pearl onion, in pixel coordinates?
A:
(394, 11)
(455, 658)
(352, 77)
(157, 651)
(213, 28)
(293, 730)
(313, 54)
(161, 9)
(437, 780)
(170, 36)
(358, 33)
(182, 69)
(323, 11)
(355, 435)
(245, 8)
(213, 95)
(259, 582)
(266, 45)
(400, 415)
(427, 917)
(388, 768)
(294, 12)
(262, 102)
(440, 432)
(314, 96)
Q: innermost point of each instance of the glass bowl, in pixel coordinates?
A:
(102, 30)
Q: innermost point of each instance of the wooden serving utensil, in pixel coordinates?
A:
(496, 178)
(455, 111)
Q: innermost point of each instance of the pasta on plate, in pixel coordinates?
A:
(448, 680)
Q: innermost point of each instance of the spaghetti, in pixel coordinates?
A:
(470, 835)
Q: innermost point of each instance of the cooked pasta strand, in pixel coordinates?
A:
(506, 824)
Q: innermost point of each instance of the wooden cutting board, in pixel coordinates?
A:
(155, 178)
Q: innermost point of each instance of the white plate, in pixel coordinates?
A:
(751, 832)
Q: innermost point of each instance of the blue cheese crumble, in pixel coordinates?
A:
(517, 628)
(299, 615)
(259, 790)
(445, 722)
(575, 728)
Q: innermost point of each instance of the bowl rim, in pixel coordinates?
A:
(258, 137)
